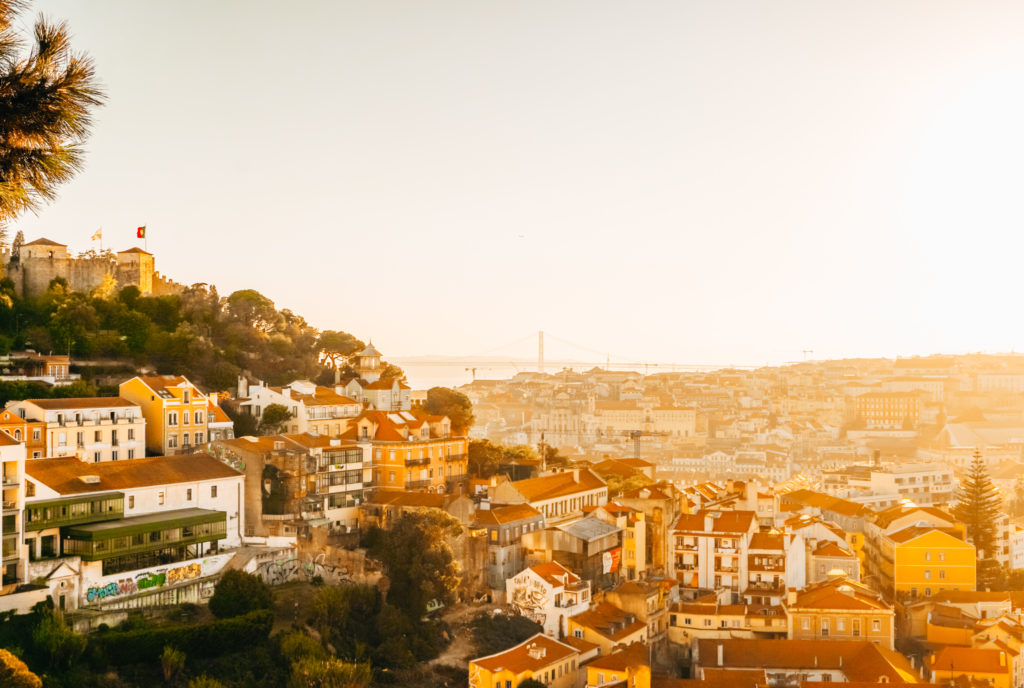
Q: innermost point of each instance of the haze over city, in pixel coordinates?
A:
(692, 182)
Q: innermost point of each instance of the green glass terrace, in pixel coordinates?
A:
(141, 534)
(69, 511)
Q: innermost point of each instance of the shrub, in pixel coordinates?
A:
(239, 593)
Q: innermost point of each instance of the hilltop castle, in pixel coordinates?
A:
(38, 262)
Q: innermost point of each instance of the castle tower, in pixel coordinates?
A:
(135, 266)
(368, 363)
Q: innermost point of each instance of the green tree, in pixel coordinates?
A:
(493, 633)
(47, 95)
(238, 593)
(273, 419)
(342, 614)
(14, 673)
(61, 646)
(313, 672)
(254, 310)
(172, 663)
(418, 560)
(484, 458)
(978, 507)
(205, 682)
(443, 401)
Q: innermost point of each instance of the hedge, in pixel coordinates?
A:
(212, 639)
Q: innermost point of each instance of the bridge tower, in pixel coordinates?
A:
(540, 351)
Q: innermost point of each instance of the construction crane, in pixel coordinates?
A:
(807, 351)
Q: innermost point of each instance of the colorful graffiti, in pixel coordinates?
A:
(276, 572)
(147, 580)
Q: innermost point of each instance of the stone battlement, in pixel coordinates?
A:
(41, 261)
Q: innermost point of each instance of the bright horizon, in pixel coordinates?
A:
(716, 182)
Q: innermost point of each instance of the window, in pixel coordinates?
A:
(805, 623)
(927, 556)
(856, 628)
(172, 418)
(184, 396)
(131, 501)
(876, 625)
(131, 453)
(96, 457)
(707, 623)
(188, 495)
(927, 574)
(824, 628)
(62, 439)
(113, 455)
(184, 418)
(942, 556)
(841, 625)
(160, 498)
(213, 491)
(942, 573)
(97, 436)
(199, 438)
(35, 435)
(199, 417)
(131, 433)
(578, 633)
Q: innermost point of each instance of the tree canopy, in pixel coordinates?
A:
(418, 560)
(978, 507)
(443, 401)
(238, 593)
(47, 96)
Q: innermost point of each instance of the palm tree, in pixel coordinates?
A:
(47, 95)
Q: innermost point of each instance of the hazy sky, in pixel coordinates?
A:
(679, 181)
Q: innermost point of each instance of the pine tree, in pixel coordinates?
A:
(978, 508)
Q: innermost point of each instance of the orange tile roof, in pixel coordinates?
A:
(217, 414)
(81, 403)
(409, 499)
(970, 660)
(64, 475)
(772, 541)
(555, 574)
(609, 621)
(734, 522)
(831, 549)
(557, 485)
(162, 382)
(533, 654)
(624, 658)
(505, 514)
(6, 440)
(839, 593)
(857, 659)
(913, 532)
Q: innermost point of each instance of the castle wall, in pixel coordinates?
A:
(33, 272)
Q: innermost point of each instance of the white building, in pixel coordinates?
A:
(15, 554)
(548, 594)
(93, 429)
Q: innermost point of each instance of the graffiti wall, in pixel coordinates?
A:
(305, 567)
(122, 585)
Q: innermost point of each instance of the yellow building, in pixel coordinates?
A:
(922, 560)
(175, 412)
(412, 451)
(607, 626)
(841, 609)
(991, 666)
(630, 664)
(541, 658)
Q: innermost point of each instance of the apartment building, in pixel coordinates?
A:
(176, 412)
(841, 609)
(889, 410)
(549, 594)
(118, 532)
(413, 451)
(710, 549)
(543, 659)
(296, 480)
(93, 429)
(31, 433)
(711, 617)
(314, 408)
(608, 627)
(922, 560)
(12, 530)
(505, 526)
(561, 497)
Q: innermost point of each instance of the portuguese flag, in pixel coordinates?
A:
(141, 232)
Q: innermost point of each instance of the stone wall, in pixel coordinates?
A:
(32, 274)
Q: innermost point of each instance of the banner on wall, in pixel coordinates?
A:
(610, 560)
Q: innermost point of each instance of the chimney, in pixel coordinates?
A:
(709, 524)
(576, 475)
(721, 654)
(791, 596)
(815, 661)
(1002, 659)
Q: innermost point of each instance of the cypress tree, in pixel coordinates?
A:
(978, 508)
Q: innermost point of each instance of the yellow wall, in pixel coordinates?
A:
(393, 472)
(913, 560)
(155, 409)
(943, 635)
(636, 677)
(482, 678)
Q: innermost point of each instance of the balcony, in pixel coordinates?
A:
(418, 462)
(11, 481)
(10, 507)
(770, 587)
(455, 457)
(417, 484)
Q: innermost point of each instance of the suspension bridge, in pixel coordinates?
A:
(570, 355)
